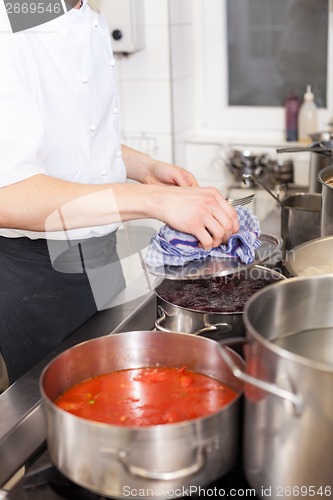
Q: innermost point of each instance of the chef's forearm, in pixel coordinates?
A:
(45, 202)
(138, 165)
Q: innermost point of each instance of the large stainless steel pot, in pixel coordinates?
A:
(218, 326)
(288, 438)
(160, 460)
(326, 175)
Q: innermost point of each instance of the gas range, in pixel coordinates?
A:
(42, 481)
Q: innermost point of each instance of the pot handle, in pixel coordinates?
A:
(295, 399)
(136, 470)
(208, 328)
(161, 319)
(213, 328)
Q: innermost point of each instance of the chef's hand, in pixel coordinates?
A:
(140, 167)
(202, 212)
(168, 174)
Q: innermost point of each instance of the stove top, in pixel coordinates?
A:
(42, 481)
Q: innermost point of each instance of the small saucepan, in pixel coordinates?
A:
(300, 216)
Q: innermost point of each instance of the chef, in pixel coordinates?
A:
(62, 183)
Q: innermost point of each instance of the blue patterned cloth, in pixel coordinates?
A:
(173, 248)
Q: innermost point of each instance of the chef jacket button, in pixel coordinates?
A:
(85, 79)
(95, 23)
(92, 126)
(115, 110)
(112, 62)
(119, 154)
(103, 172)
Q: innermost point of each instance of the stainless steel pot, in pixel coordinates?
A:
(217, 326)
(288, 439)
(300, 219)
(160, 460)
(300, 216)
(318, 161)
(321, 155)
(327, 201)
(311, 258)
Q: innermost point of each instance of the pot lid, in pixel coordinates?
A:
(222, 266)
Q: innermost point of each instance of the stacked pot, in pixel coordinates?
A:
(214, 324)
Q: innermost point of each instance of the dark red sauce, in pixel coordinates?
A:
(220, 294)
(146, 396)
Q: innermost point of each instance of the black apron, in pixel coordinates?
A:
(44, 299)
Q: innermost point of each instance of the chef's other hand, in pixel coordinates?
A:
(168, 174)
(202, 212)
(146, 170)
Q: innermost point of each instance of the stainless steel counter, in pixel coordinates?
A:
(22, 426)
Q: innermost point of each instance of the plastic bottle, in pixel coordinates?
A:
(307, 117)
(292, 105)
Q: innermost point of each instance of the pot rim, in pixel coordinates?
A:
(255, 266)
(122, 428)
(280, 351)
(294, 250)
(312, 196)
(322, 173)
(182, 308)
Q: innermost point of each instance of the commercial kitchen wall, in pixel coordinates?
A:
(157, 88)
(156, 84)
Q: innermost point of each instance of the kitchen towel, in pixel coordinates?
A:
(174, 248)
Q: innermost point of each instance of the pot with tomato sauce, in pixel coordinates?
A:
(211, 307)
(155, 411)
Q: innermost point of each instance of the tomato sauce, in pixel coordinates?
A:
(146, 396)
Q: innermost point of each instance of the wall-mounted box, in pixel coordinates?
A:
(126, 23)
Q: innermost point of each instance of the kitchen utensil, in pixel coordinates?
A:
(249, 177)
(300, 217)
(324, 145)
(311, 258)
(246, 161)
(280, 171)
(307, 149)
(239, 202)
(109, 459)
(222, 266)
(324, 177)
(215, 325)
(288, 427)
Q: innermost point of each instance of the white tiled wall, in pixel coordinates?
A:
(156, 84)
(182, 73)
(206, 162)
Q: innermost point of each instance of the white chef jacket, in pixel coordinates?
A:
(59, 107)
